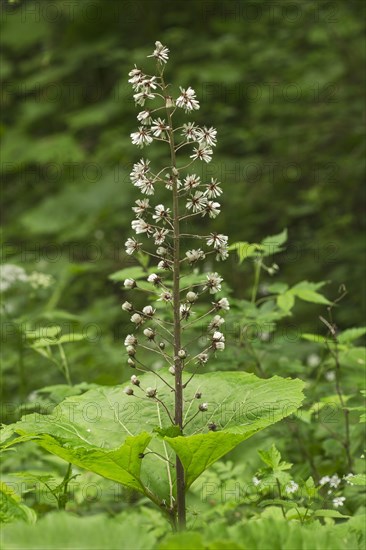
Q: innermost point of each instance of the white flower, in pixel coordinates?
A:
(171, 179)
(172, 370)
(218, 341)
(148, 311)
(213, 189)
(256, 481)
(195, 255)
(203, 407)
(11, 274)
(139, 170)
(330, 375)
(216, 322)
(141, 97)
(142, 137)
(190, 131)
(142, 206)
(144, 117)
(222, 304)
(160, 53)
(202, 358)
(154, 279)
(334, 481)
(161, 213)
(130, 340)
(324, 480)
(313, 360)
(185, 311)
(202, 153)
(338, 501)
(222, 253)
(348, 478)
(149, 83)
(136, 79)
(212, 209)
(145, 185)
(159, 127)
(129, 283)
(217, 240)
(187, 100)
(159, 236)
(197, 202)
(165, 297)
(132, 245)
(163, 264)
(207, 136)
(191, 181)
(213, 282)
(137, 319)
(149, 333)
(126, 306)
(134, 380)
(292, 487)
(161, 251)
(140, 226)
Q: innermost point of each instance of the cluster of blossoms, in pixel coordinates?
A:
(10, 274)
(158, 222)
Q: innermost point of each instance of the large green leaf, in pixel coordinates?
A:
(105, 430)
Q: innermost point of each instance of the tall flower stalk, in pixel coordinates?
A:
(165, 328)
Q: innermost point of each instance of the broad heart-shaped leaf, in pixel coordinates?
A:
(105, 430)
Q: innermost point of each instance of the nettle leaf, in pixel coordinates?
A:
(272, 245)
(115, 435)
(308, 292)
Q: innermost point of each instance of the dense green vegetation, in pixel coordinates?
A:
(283, 85)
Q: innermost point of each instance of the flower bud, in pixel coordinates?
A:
(162, 345)
(212, 427)
(222, 304)
(191, 297)
(129, 283)
(150, 392)
(149, 333)
(172, 370)
(126, 306)
(202, 358)
(134, 380)
(203, 407)
(128, 391)
(154, 279)
(198, 395)
(148, 311)
(169, 102)
(131, 351)
(131, 363)
(182, 354)
(161, 251)
(130, 340)
(137, 319)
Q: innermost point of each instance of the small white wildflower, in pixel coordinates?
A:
(172, 370)
(197, 202)
(324, 480)
(137, 77)
(338, 501)
(202, 153)
(137, 319)
(142, 206)
(130, 340)
(191, 181)
(313, 360)
(140, 226)
(202, 358)
(159, 128)
(334, 481)
(165, 297)
(129, 283)
(11, 274)
(154, 279)
(222, 304)
(134, 380)
(144, 117)
(191, 296)
(256, 481)
(148, 311)
(195, 255)
(330, 375)
(142, 137)
(132, 246)
(213, 282)
(149, 333)
(141, 97)
(161, 213)
(292, 487)
(348, 478)
(212, 209)
(190, 131)
(151, 392)
(213, 189)
(159, 236)
(203, 407)
(216, 322)
(218, 341)
(160, 53)
(126, 306)
(140, 169)
(207, 136)
(185, 311)
(187, 100)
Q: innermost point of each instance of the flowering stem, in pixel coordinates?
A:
(178, 413)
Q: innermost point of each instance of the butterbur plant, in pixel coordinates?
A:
(168, 424)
